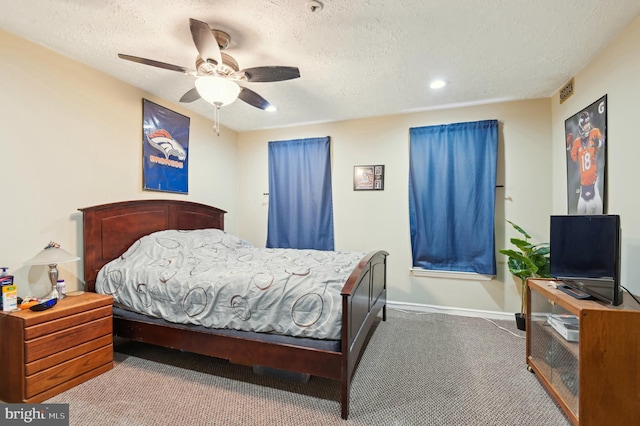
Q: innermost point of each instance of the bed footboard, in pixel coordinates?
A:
(363, 296)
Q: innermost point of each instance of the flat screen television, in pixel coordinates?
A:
(585, 254)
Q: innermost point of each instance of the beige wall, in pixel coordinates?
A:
(615, 72)
(371, 220)
(71, 138)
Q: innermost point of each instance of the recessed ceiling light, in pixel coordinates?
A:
(271, 108)
(438, 84)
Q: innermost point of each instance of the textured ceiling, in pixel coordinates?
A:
(356, 58)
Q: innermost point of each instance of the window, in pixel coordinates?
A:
(452, 179)
(300, 200)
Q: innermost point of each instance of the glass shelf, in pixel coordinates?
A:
(554, 354)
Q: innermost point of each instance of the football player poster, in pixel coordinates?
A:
(165, 141)
(586, 138)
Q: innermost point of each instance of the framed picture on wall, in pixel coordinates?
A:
(368, 178)
(165, 141)
(586, 142)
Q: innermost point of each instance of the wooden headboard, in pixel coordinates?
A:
(110, 229)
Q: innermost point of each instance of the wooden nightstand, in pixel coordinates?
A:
(45, 353)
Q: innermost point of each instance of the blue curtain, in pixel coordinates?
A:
(300, 201)
(452, 180)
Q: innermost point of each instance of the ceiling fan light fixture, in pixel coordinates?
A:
(218, 91)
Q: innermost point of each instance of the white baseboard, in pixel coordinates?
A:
(450, 310)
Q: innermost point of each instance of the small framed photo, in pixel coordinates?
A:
(368, 178)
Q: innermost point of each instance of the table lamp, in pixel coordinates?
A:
(51, 255)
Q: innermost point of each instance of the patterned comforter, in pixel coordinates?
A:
(214, 279)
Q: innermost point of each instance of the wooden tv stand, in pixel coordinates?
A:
(596, 379)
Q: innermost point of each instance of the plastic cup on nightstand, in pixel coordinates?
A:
(62, 289)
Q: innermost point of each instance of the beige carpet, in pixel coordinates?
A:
(419, 369)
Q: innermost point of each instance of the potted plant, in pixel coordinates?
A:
(532, 260)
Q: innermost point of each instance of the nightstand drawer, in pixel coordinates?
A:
(51, 344)
(68, 370)
(66, 355)
(64, 323)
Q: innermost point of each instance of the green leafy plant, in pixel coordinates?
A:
(531, 261)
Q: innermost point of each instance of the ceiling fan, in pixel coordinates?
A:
(218, 77)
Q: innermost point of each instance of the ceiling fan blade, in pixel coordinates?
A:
(156, 64)
(205, 41)
(253, 99)
(190, 96)
(271, 73)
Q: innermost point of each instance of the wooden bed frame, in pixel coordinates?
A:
(110, 229)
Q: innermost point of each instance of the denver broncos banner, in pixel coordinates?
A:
(165, 144)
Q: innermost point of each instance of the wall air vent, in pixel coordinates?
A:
(566, 91)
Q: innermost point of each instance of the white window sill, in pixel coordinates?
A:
(418, 272)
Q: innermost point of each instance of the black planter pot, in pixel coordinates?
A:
(521, 321)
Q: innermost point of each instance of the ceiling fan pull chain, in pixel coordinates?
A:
(216, 118)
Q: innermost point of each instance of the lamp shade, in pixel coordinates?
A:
(217, 90)
(52, 255)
